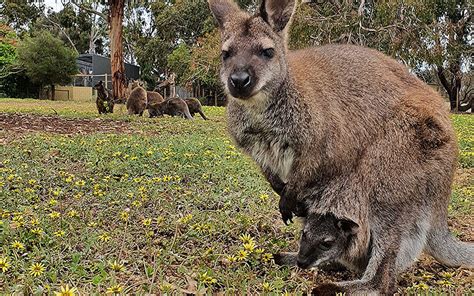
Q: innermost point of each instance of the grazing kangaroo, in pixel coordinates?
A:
(172, 107)
(195, 107)
(153, 98)
(342, 125)
(105, 99)
(137, 101)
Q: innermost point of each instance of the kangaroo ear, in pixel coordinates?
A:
(223, 10)
(348, 226)
(277, 13)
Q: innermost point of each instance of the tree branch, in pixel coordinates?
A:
(62, 31)
(444, 81)
(89, 10)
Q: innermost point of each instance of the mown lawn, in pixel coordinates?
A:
(159, 206)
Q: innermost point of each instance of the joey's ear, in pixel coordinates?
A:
(277, 13)
(223, 10)
(348, 226)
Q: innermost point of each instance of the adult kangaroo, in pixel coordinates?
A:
(342, 125)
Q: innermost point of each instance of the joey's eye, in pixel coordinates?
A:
(225, 54)
(268, 53)
(325, 245)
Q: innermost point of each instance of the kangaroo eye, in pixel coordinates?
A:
(225, 54)
(268, 53)
(325, 245)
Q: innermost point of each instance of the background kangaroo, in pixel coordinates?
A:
(137, 101)
(195, 107)
(343, 127)
(105, 100)
(172, 107)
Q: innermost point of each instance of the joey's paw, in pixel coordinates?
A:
(328, 289)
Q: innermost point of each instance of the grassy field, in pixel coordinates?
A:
(125, 205)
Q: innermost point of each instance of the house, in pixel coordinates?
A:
(92, 68)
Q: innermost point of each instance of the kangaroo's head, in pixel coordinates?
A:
(324, 238)
(99, 85)
(253, 47)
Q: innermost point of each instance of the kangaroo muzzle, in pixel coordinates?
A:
(241, 84)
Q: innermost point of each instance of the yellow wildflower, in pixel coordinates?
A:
(146, 222)
(18, 245)
(66, 291)
(250, 246)
(37, 231)
(59, 233)
(53, 202)
(242, 255)
(72, 213)
(54, 215)
(4, 265)
(124, 215)
(185, 219)
(267, 257)
(264, 197)
(105, 237)
(117, 267)
(37, 269)
(246, 238)
(116, 289)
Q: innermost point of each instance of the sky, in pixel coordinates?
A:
(55, 4)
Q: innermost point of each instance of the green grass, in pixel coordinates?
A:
(173, 202)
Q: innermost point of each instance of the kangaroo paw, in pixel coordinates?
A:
(285, 259)
(287, 208)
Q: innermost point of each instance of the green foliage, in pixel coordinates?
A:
(20, 14)
(205, 59)
(8, 48)
(179, 61)
(47, 60)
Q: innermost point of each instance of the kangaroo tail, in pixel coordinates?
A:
(186, 112)
(448, 250)
(202, 115)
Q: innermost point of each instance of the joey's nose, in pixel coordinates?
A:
(240, 80)
(302, 263)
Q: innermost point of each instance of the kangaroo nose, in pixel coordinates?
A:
(240, 80)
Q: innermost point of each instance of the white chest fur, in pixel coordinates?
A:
(274, 156)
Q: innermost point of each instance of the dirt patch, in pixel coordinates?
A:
(25, 123)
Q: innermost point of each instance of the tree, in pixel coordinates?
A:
(82, 31)
(20, 14)
(114, 13)
(8, 53)
(47, 60)
(179, 61)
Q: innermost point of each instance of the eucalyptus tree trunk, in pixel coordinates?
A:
(115, 19)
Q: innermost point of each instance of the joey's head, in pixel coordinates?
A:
(253, 47)
(324, 238)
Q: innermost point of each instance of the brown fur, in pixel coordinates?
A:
(343, 129)
(153, 98)
(137, 101)
(172, 107)
(105, 99)
(195, 107)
